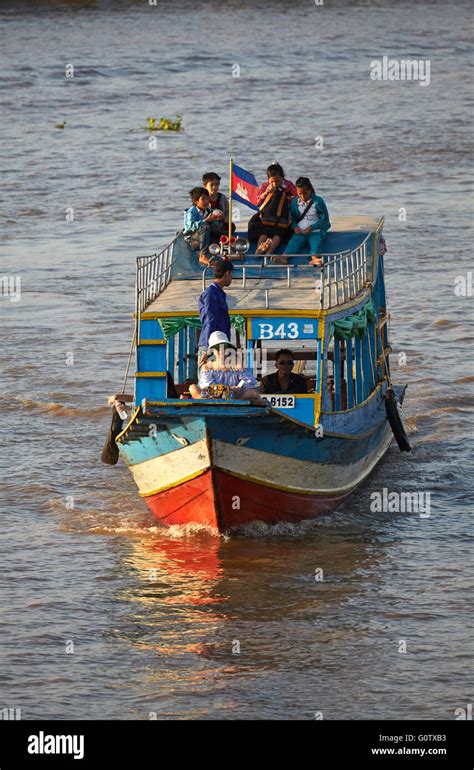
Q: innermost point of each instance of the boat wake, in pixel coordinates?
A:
(175, 532)
(115, 518)
(139, 524)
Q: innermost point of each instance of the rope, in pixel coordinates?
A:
(129, 360)
(384, 364)
(374, 368)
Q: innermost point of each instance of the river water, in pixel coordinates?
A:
(103, 615)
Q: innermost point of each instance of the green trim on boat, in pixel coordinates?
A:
(355, 324)
(171, 326)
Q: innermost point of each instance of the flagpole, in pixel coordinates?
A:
(230, 197)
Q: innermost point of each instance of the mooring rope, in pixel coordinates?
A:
(384, 363)
(129, 360)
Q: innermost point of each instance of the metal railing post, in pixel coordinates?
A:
(160, 272)
(357, 262)
(354, 288)
(322, 288)
(329, 284)
(341, 277)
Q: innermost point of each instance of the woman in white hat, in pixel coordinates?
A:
(222, 377)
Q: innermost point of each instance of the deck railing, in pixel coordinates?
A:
(342, 276)
(153, 275)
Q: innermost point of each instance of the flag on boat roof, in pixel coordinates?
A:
(244, 187)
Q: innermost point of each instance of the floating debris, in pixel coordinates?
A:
(165, 124)
(60, 125)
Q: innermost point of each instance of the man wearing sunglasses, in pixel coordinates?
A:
(284, 380)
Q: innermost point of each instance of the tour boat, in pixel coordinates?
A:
(224, 463)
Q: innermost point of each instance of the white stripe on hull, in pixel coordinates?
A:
(170, 469)
(296, 475)
(302, 476)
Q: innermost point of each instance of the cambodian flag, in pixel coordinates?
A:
(244, 187)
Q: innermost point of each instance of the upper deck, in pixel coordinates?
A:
(171, 281)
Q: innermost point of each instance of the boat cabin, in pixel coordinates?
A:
(332, 318)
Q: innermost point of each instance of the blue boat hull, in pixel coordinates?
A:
(227, 465)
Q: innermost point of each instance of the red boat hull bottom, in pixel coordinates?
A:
(220, 500)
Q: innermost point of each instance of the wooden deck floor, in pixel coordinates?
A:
(303, 293)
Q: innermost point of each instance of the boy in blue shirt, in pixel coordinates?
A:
(197, 223)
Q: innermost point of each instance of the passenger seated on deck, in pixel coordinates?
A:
(218, 203)
(223, 376)
(310, 223)
(197, 224)
(284, 380)
(271, 225)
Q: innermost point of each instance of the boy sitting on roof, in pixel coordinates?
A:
(198, 219)
(218, 203)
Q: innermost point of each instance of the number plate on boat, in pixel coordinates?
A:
(289, 329)
(280, 402)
